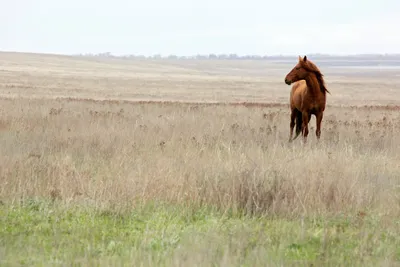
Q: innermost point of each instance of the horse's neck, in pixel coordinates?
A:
(313, 86)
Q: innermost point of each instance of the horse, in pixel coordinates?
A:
(307, 97)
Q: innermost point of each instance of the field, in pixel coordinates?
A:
(159, 163)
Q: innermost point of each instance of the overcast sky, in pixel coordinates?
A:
(187, 27)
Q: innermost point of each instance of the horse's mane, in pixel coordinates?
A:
(308, 65)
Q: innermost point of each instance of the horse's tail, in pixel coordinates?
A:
(299, 123)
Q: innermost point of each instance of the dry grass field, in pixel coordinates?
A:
(113, 161)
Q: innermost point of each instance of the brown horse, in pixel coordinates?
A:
(307, 97)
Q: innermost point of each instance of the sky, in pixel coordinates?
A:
(187, 27)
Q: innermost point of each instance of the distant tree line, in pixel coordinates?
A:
(172, 56)
(246, 57)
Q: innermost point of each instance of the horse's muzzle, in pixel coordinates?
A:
(288, 82)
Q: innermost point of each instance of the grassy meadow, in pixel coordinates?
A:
(91, 176)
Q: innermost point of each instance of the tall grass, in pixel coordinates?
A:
(235, 159)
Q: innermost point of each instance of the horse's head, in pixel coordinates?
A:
(299, 72)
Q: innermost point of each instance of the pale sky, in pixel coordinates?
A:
(188, 27)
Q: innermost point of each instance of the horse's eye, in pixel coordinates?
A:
(297, 68)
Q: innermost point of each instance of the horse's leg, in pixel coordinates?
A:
(292, 118)
(305, 125)
(319, 116)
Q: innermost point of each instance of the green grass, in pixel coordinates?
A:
(39, 233)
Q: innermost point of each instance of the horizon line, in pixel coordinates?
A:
(193, 56)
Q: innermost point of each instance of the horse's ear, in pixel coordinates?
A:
(305, 58)
(300, 59)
